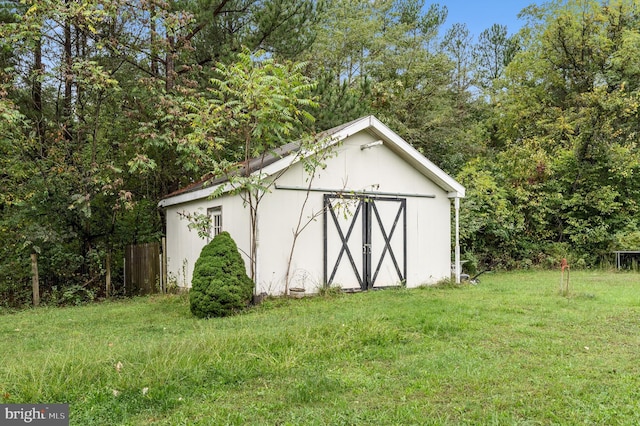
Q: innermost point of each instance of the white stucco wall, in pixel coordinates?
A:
(352, 169)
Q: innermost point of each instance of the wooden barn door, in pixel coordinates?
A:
(364, 241)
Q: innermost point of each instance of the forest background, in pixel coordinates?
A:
(101, 117)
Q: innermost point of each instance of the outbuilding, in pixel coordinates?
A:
(373, 213)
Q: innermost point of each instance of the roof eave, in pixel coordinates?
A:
(389, 137)
(423, 164)
(193, 195)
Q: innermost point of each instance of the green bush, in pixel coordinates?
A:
(220, 285)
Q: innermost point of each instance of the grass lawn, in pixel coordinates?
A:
(508, 351)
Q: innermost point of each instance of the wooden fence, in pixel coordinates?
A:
(143, 269)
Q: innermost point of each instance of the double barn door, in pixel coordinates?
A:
(364, 241)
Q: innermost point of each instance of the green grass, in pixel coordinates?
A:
(508, 351)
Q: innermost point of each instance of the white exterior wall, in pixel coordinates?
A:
(184, 245)
(376, 169)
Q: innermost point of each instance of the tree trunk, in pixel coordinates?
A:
(154, 49)
(36, 90)
(170, 64)
(253, 235)
(35, 280)
(68, 81)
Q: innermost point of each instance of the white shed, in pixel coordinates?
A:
(378, 214)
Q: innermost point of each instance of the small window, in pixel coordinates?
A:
(215, 224)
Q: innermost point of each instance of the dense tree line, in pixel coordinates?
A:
(97, 104)
(559, 178)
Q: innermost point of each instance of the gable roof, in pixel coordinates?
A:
(281, 158)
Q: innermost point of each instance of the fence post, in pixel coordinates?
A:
(163, 263)
(35, 280)
(107, 277)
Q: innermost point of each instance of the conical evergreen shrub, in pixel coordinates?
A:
(220, 285)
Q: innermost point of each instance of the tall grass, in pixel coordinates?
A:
(510, 350)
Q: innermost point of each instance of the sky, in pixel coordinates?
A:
(481, 14)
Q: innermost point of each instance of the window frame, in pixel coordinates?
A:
(215, 221)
